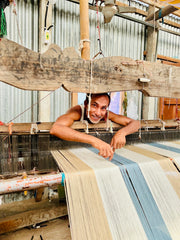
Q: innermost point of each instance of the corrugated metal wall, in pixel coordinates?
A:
(121, 37)
(19, 105)
(14, 101)
(169, 44)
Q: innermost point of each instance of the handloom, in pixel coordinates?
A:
(136, 196)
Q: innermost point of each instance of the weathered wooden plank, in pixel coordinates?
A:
(162, 57)
(171, 63)
(29, 70)
(18, 215)
(56, 229)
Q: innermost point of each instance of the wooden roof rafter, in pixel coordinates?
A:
(161, 13)
(159, 4)
(125, 8)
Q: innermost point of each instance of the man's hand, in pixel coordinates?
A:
(118, 141)
(105, 149)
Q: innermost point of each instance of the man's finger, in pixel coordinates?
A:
(112, 142)
(119, 145)
(111, 157)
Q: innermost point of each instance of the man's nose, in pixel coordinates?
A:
(98, 111)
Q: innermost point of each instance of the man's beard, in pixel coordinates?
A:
(94, 122)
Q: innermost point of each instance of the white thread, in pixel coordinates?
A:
(86, 122)
(163, 124)
(90, 82)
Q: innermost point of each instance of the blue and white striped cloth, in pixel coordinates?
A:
(139, 189)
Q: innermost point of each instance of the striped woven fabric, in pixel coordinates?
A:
(135, 196)
(175, 3)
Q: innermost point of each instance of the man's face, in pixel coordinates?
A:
(98, 108)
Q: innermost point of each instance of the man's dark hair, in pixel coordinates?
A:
(97, 94)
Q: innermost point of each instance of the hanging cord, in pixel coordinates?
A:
(140, 131)
(99, 33)
(91, 63)
(162, 108)
(177, 117)
(90, 83)
(45, 19)
(160, 15)
(109, 126)
(17, 23)
(154, 15)
(154, 56)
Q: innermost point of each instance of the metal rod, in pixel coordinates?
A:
(19, 184)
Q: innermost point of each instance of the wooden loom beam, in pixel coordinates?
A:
(20, 128)
(20, 214)
(30, 70)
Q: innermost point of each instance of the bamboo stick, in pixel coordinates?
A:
(84, 28)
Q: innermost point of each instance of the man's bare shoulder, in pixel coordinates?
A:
(75, 109)
(74, 113)
(67, 119)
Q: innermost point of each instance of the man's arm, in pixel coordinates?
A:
(61, 128)
(130, 126)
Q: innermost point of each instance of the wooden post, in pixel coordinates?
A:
(74, 99)
(45, 16)
(149, 102)
(84, 31)
(44, 105)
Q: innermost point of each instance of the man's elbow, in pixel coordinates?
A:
(56, 129)
(53, 130)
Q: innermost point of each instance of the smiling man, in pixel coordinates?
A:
(96, 112)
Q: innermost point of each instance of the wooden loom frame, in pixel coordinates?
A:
(45, 66)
